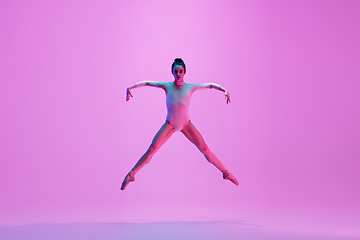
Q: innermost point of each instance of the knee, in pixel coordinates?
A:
(153, 149)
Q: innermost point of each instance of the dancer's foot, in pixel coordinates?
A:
(129, 178)
(229, 176)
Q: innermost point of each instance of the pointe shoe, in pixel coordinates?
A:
(128, 178)
(229, 176)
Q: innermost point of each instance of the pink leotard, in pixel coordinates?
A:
(178, 101)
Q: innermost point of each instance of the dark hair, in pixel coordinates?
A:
(178, 61)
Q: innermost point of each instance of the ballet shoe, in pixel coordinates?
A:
(227, 175)
(128, 178)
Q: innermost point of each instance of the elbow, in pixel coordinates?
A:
(149, 83)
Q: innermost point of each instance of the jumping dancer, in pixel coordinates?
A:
(178, 94)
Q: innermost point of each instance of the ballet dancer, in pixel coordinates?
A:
(178, 94)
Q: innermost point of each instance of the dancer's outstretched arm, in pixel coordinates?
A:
(143, 84)
(216, 86)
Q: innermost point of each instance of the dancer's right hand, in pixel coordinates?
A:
(128, 94)
(227, 97)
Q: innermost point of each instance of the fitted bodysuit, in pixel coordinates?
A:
(178, 101)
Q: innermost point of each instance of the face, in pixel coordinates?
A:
(179, 72)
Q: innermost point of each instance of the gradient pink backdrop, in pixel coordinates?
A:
(290, 135)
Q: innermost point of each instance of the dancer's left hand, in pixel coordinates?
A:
(128, 94)
(227, 97)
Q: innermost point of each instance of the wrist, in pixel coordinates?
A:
(221, 88)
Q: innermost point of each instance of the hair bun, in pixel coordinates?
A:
(178, 60)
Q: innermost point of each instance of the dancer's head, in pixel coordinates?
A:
(178, 61)
(178, 69)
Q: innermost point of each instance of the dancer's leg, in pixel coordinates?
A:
(195, 137)
(160, 138)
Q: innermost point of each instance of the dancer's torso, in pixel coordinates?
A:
(177, 103)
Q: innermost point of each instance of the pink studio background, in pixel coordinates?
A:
(290, 135)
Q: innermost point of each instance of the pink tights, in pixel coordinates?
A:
(162, 136)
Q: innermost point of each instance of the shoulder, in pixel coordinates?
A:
(166, 84)
(160, 84)
(192, 84)
(196, 86)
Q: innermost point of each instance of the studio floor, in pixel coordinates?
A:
(158, 231)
